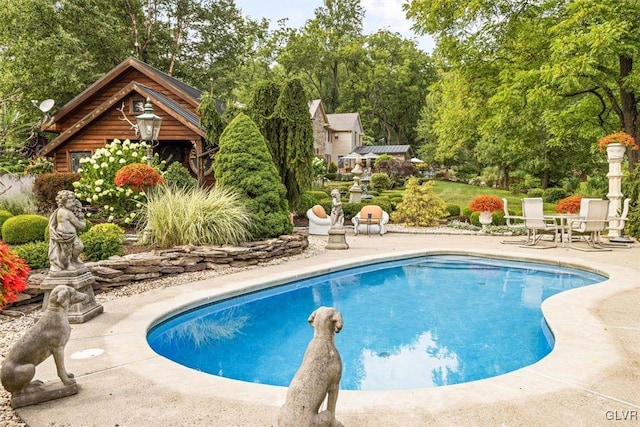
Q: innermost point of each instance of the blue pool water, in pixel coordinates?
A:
(415, 323)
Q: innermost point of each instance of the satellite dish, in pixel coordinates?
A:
(46, 105)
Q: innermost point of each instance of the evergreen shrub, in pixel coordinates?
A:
(453, 210)
(35, 254)
(4, 215)
(178, 176)
(554, 194)
(421, 206)
(243, 162)
(102, 241)
(24, 228)
(380, 181)
(535, 192)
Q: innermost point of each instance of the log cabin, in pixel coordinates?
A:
(107, 110)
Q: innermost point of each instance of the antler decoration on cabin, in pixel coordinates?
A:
(125, 118)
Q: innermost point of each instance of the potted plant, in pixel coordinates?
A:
(616, 144)
(569, 205)
(486, 205)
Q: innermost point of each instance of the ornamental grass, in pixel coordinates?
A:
(180, 216)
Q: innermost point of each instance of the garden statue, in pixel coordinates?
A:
(48, 337)
(64, 225)
(318, 376)
(64, 255)
(337, 233)
(337, 214)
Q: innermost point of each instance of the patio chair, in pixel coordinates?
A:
(589, 226)
(319, 221)
(514, 223)
(617, 223)
(537, 225)
(370, 219)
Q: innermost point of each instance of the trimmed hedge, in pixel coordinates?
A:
(25, 228)
(102, 241)
(4, 215)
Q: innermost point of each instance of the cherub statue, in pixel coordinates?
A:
(337, 214)
(64, 224)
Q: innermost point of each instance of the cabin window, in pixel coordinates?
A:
(75, 159)
(137, 106)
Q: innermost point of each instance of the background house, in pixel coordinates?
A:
(107, 109)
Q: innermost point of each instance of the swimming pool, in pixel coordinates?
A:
(414, 323)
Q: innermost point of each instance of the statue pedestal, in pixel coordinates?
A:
(42, 393)
(337, 238)
(81, 280)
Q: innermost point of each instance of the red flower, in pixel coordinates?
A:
(569, 204)
(137, 176)
(484, 203)
(13, 275)
(619, 138)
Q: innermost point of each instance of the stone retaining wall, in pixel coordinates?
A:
(123, 270)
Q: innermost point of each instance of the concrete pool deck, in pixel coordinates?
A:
(591, 377)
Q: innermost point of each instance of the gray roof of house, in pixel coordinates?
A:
(383, 149)
(342, 121)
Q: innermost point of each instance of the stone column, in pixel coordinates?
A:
(615, 154)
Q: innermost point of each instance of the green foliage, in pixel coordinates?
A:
(102, 241)
(380, 181)
(35, 254)
(294, 153)
(96, 185)
(319, 167)
(243, 162)
(554, 194)
(4, 215)
(597, 186)
(333, 168)
(420, 207)
(180, 216)
(385, 203)
(535, 192)
(210, 119)
(24, 228)
(18, 204)
(474, 219)
(178, 176)
(318, 195)
(453, 210)
(46, 187)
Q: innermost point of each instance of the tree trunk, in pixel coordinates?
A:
(629, 108)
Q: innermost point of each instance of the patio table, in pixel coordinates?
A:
(563, 219)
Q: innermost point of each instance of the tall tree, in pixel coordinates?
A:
(317, 51)
(295, 141)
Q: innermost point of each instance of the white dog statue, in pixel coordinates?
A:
(318, 376)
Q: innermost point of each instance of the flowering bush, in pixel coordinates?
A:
(619, 138)
(13, 275)
(97, 187)
(137, 176)
(569, 204)
(484, 203)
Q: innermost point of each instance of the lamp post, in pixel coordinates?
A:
(149, 128)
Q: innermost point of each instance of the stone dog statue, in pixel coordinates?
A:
(47, 337)
(318, 376)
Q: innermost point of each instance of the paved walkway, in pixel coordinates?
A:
(591, 378)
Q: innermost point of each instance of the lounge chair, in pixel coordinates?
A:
(537, 225)
(590, 225)
(370, 219)
(319, 221)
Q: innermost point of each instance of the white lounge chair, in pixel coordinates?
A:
(319, 221)
(370, 219)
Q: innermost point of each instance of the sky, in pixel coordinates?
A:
(379, 14)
